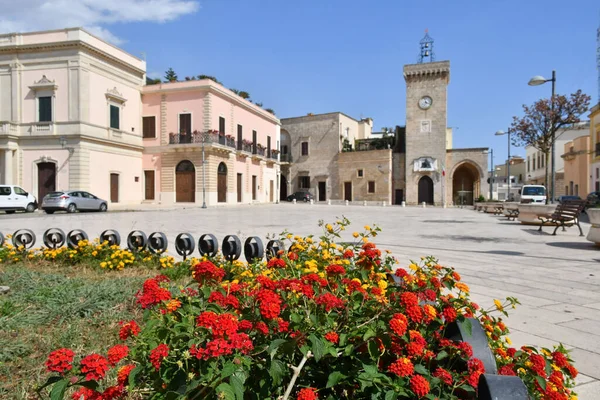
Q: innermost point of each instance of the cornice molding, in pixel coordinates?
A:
(115, 95)
(44, 84)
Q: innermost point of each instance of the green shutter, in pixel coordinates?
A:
(114, 117)
(45, 109)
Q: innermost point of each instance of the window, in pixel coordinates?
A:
(5, 191)
(269, 146)
(304, 182)
(221, 125)
(149, 127)
(360, 173)
(597, 173)
(185, 124)
(20, 191)
(240, 138)
(304, 148)
(284, 149)
(534, 163)
(576, 190)
(571, 187)
(528, 169)
(254, 134)
(597, 186)
(543, 160)
(45, 109)
(114, 117)
(371, 186)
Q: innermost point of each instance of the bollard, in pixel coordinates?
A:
(294, 201)
(312, 202)
(328, 202)
(403, 204)
(424, 204)
(347, 202)
(364, 203)
(384, 203)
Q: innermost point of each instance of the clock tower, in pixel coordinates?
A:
(426, 123)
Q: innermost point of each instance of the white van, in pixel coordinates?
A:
(533, 194)
(14, 198)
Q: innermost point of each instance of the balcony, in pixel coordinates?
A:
(8, 128)
(200, 137)
(285, 158)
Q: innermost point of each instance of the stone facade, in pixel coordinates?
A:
(595, 148)
(374, 183)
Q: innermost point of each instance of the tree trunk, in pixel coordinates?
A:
(547, 156)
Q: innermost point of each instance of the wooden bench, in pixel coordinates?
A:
(498, 210)
(565, 215)
(511, 213)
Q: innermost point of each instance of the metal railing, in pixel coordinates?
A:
(199, 137)
(285, 158)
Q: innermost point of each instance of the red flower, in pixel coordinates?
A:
(206, 271)
(241, 342)
(419, 385)
(560, 359)
(86, 394)
(476, 368)
(216, 348)
(276, 263)
(348, 254)
(557, 378)
(329, 301)
(415, 313)
(128, 329)
(158, 354)
(117, 353)
(113, 392)
(511, 352)
(152, 293)
(207, 319)
(307, 394)
(60, 360)
(449, 314)
(572, 371)
(123, 374)
(225, 324)
(415, 349)
(224, 301)
(94, 367)
(399, 324)
(292, 256)
(538, 364)
(465, 348)
(262, 327)
(332, 337)
(269, 303)
(283, 326)
(508, 369)
(443, 375)
(409, 299)
(335, 269)
(402, 367)
(401, 272)
(245, 325)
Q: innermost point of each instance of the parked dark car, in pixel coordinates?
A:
(301, 196)
(562, 199)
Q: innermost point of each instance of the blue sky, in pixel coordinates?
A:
(347, 55)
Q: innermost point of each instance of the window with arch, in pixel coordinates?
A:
(222, 169)
(185, 166)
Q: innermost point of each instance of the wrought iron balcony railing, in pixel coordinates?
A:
(199, 137)
(285, 158)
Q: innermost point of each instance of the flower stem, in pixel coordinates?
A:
(296, 370)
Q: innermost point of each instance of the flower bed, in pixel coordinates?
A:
(320, 320)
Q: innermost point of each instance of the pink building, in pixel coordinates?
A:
(241, 142)
(70, 111)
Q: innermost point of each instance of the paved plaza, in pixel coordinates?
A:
(556, 278)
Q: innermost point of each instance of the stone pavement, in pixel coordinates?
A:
(556, 278)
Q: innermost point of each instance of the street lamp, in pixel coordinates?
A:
(540, 80)
(492, 175)
(203, 172)
(500, 133)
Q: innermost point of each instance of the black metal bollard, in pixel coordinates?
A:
(231, 247)
(23, 237)
(54, 238)
(111, 236)
(157, 242)
(137, 241)
(185, 245)
(74, 237)
(208, 245)
(253, 249)
(273, 249)
(459, 332)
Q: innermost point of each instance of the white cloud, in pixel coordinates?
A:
(94, 15)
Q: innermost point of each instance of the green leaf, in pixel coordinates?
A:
(228, 370)
(441, 355)
(90, 385)
(276, 371)
(50, 381)
(272, 350)
(133, 374)
(541, 381)
(369, 334)
(296, 318)
(374, 350)
(343, 338)
(391, 395)
(468, 326)
(318, 347)
(225, 391)
(238, 387)
(420, 369)
(59, 389)
(334, 378)
(371, 370)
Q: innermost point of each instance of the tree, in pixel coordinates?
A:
(244, 95)
(150, 81)
(541, 119)
(212, 78)
(170, 75)
(259, 104)
(270, 110)
(235, 91)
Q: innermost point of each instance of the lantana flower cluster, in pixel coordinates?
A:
(102, 255)
(324, 318)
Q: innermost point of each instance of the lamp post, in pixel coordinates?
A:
(540, 80)
(203, 172)
(492, 176)
(500, 133)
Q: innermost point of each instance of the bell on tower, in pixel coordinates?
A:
(427, 54)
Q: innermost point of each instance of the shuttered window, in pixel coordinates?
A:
(371, 186)
(115, 122)
(45, 109)
(304, 148)
(149, 127)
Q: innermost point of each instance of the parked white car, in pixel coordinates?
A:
(15, 198)
(533, 194)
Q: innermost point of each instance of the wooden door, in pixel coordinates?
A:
(253, 187)
(46, 179)
(114, 188)
(426, 190)
(322, 191)
(149, 184)
(399, 196)
(348, 191)
(222, 183)
(239, 188)
(185, 191)
(271, 190)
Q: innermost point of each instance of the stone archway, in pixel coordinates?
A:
(222, 183)
(465, 184)
(185, 182)
(425, 190)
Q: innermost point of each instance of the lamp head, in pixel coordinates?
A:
(537, 80)
(500, 133)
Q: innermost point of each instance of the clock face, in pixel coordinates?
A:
(425, 102)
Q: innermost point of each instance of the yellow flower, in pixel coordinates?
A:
(546, 353)
(528, 364)
(462, 287)
(365, 240)
(355, 234)
(103, 264)
(94, 253)
(414, 267)
(507, 339)
(329, 228)
(382, 284)
(367, 228)
(498, 305)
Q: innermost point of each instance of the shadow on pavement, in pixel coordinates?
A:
(575, 245)
(505, 252)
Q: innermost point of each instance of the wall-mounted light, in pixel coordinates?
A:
(63, 141)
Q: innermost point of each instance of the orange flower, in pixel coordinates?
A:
(462, 287)
(173, 305)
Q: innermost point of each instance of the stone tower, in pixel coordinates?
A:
(426, 122)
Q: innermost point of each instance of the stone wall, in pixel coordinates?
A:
(376, 166)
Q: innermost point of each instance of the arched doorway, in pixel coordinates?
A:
(283, 184)
(222, 183)
(425, 190)
(465, 184)
(185, 182)
(46, 179)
